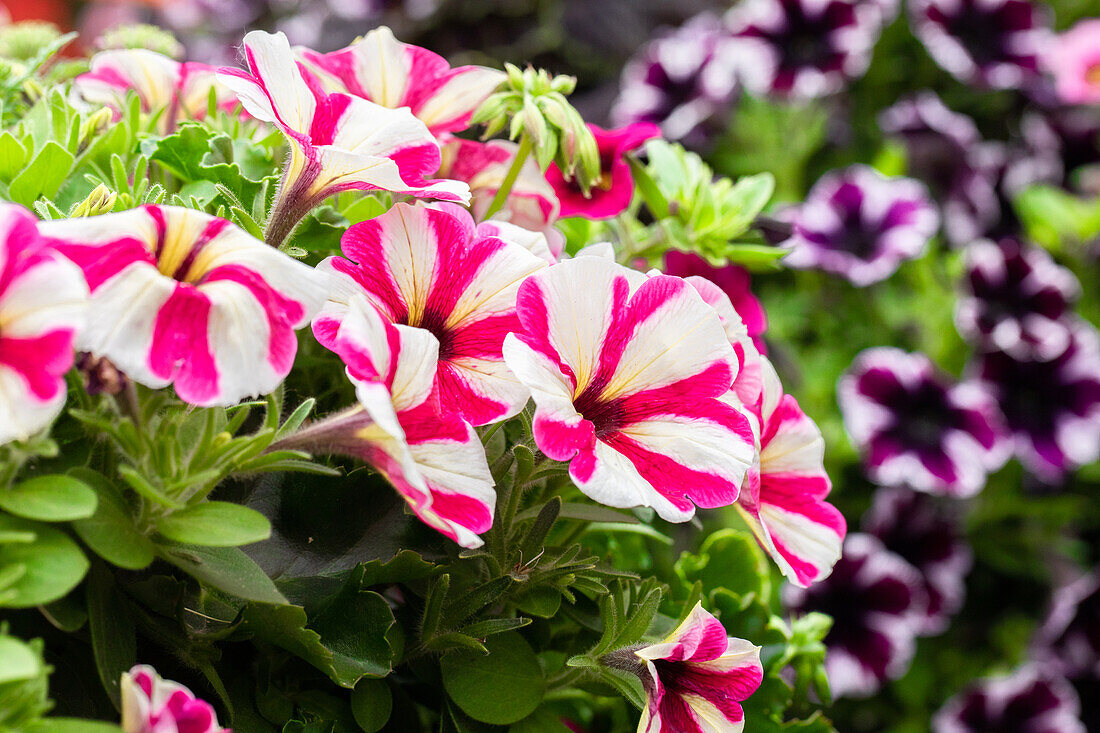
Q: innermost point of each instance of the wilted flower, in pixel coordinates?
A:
(995, 43)
(43, 305)
(181, 297)
(154, 705)
(877, 602)
(1069, 639)
(1074, 59)
(627, 372)
(926, 534)
(432, 269)
(1018, 300)
(1029, 699)
(914, 427)
(860, 224)
(734, 281)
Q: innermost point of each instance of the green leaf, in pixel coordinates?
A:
(114, 639)
(53, 564)
(110, 532)
(20, 661)
(72, 725)
(215, 524)
(729, 559)
(54, 498)
(225, 568)
(12, 157)
(543, 720)
(197, 153)
(371, 704)
(43, 176)
(502, 687)
(582, 512)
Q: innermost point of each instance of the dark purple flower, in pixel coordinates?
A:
(1018, 300)
(1052, 408)
(925, 533)
(991, 43)
(861, 225)
(946, 151)
(1029, 700)
(877, 602)
(916, 428)
(1059, 146)
(806, 48)
(1069, 640)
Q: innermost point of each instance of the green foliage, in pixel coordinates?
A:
(502, 686)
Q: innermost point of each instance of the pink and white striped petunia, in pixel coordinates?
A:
(182, 90)
(43, 304)
(628, 373)
(431, 268)
(698, 677)
(393, 74)
(151, 704)
(432, 457)
(186, 298)
(784, 495)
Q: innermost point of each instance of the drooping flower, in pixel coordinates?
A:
(181, 297)
(992, 43)
(1069, 639)
(1030, 699)
(151, 704)
(697, 677)
(916, 428)
(924, 533)
(627, 372)
(1018, 300)
(734, 281)
(877, 603)
(615, 187)
(1051, 407)
(43, 305)
(1074, 59)
(861, 225)
(393, 74)
(783, 498)
(432, 269)
(337, 142)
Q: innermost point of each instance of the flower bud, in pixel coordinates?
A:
(100, 201)
(141, 35)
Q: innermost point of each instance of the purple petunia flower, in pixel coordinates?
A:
(1059, 146)
(990, 43)
(1069, 639)
(806, 48)
(877, 602)
(1052, 408)
(1018, 300)
(946, 151)
(861, 225)
(914, 427)
(1030, 699)
(925, 534)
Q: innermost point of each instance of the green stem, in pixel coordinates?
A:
(497, 203)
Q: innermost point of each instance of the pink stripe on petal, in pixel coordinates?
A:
(465, 511)
(101, 262)
(678, 483)
(41, 361)
(562, 441)
(415, 163)
(180, 348)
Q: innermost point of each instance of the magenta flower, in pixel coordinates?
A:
(184, 298)
(43, 305)
(916, 428)
(393, 74)
(154, 705)
(734, 281)
(1029, 699)
(615, 187)
(1074, 59)
(430, 268)
(861, 225)
(697, 678)
(627, 373)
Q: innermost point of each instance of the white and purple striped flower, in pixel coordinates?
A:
(151, 704)
(431, 268)
(861, 225)
(1069, 639)
(697, 678)
(878, 604)
(916, 428)
(1030, 699)
(393, 74)
(184, 298)
(43, 305)
(1074, 59)
(628, 373)
(1018, 301)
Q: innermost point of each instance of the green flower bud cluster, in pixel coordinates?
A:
(100, 201)
(24, 41)
(141, 35)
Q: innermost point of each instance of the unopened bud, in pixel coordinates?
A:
(141, 35)
(100, 201)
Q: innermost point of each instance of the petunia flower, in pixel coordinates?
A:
(697, 677)
(1018, 300)
(734, 281)
(1069, 639)
(1074, 59)
(615, 187)
(151, 704)
(877, 603)
(432, 269)
(991, 43)
(43, 305)
(1030, 699)
(337, 142)
(628, 373)
(861, 225)
(181, 297)
(916, 428)
(393, 74)
(926, 534)
(1052, 408)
